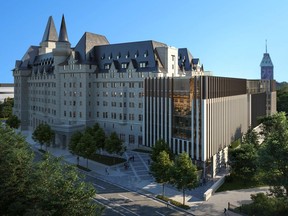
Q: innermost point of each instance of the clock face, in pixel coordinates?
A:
(266, 74)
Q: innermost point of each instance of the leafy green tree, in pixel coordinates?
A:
(114, 145)
(273, 152)
(251, 137)
(13, 121)
(74, 142)
(243, 162)
(99, 138)
(86, 146)
(161, 169)
(184, 174)
(43, 134)
(160, 146)
(282, 98)
(58, 189)
(16, 160)
(264, 205)
(6, 107)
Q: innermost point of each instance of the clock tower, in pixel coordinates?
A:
(267, 68)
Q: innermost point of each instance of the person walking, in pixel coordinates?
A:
(168, 203)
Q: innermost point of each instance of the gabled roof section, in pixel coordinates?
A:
(266, 60)
(50, 33)
(29, 57)
(63, 36)
(87, 42)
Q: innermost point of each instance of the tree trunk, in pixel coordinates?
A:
(183, 196)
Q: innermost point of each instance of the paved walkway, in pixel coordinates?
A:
(136, 177)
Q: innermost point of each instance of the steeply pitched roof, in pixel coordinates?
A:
(63, 36)
(50, 33)
(266, 61)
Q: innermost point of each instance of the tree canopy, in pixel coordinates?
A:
(273, 153)
(13, 121)
(161, 169)
(113, 144)
(47, 187)
(184, 174)
(43, 134)
(160, 146)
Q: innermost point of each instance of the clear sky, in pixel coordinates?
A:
(227, 35)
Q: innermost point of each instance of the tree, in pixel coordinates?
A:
(243, 162)
(251, 137)
(184, 174)
(43, 134)
(161, 169)
(86, 146)
(114, 145)
(282, 98)
(13, 121)
(6, 107)
(48, 187)
(273, 152)
(16, 160)
(74, 142)
(58, 189)
(160, 146)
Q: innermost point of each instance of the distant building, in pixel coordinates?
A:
(143, 90)
(267, 68)
(6, 90)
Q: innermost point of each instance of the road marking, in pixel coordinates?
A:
(147, 197)
(125, 197)
(107, 206)
(143, 161)
(160, 213)
(125, 209)
(99, 186)
(102, 197)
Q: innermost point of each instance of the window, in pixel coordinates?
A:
(142, 64)
(140, 117)
(107, 66)
(124, 65)
(131, 139)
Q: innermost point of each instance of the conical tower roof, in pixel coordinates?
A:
(50, 33)
(266, 61)
(63, 36)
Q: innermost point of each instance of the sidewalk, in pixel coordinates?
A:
(137, 178)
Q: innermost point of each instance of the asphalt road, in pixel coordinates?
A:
(120, 201)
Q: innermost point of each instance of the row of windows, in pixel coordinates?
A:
(121, 104)
(121, 116)
(122, 74)
(43, 92)
(121, 94)
(127, 55)
(43, 110)
(125, 65)
(43, 100)
(131, 138)
(42, 84)
(119, 84)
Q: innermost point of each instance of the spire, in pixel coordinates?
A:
(266, 45)
(63, 37)
(50, 33)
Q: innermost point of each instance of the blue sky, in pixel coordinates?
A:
(228, 36)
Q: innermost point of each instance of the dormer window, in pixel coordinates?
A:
(127, 55)
(124, 65)
(110, 56)
(119, 55)
(146, 53)
(103, 56)
(136, 54)
(107, 66)
(142, 64)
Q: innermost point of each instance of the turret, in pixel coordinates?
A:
(267, 68)
(49, 39)
(63, 46)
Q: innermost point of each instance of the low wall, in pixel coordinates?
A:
(213, 188)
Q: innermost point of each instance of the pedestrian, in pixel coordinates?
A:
(148, 161)
(168, 203)
(106, 170)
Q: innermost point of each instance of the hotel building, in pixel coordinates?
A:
(143, 90)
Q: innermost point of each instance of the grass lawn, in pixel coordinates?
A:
(236, 184)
